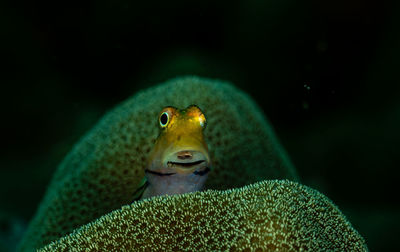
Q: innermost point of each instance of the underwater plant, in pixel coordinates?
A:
(104, 170)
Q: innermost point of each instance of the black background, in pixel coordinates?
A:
(326, 73)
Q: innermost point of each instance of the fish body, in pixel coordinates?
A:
(179, 161)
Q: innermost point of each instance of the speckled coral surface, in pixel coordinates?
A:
(104, 169)
(269, 215)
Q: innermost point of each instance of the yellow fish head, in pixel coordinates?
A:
(179, 161)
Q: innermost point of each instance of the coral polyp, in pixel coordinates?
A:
(270, 215)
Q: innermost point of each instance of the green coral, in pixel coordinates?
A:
(269, 215)
(102, 172)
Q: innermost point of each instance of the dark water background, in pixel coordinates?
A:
(326, 73)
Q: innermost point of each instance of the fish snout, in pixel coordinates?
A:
(184, 155)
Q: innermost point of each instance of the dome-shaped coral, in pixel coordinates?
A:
(105, 168)
(269, 215)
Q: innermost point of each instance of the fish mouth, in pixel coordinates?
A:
(185, 164)
(198, 167)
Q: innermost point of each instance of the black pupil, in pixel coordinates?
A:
(164, 119)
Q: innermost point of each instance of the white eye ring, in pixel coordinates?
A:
(164, 119)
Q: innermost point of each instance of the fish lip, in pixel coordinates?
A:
(185, 165)
(199, 167)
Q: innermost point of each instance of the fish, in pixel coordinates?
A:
(179, 161)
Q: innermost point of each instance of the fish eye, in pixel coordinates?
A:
(203, 121)
(164, 119)
(195, 111)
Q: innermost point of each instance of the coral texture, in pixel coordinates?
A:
(102, 171)
(269, 215)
